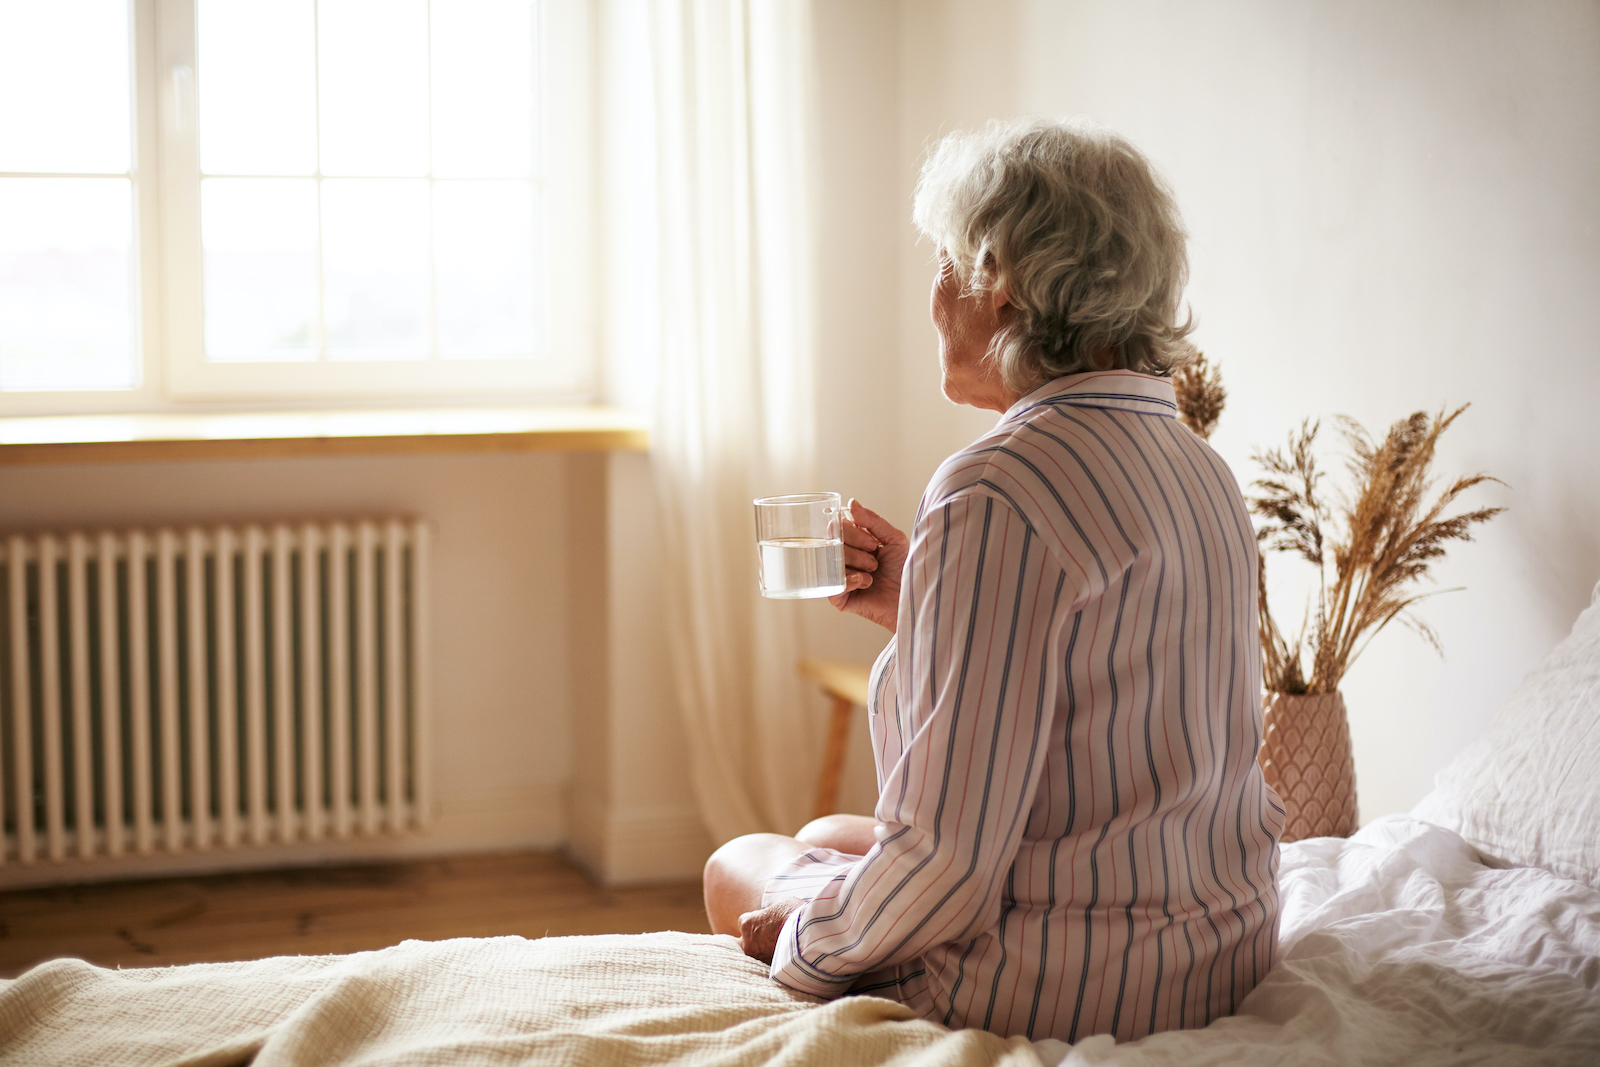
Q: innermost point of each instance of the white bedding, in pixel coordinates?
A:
(1399, 947)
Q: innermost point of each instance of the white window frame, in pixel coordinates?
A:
(174, 373)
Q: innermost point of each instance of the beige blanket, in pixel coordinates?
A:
(648, 999)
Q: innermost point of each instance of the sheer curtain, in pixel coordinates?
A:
(710, 115)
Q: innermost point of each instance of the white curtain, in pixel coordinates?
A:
(716, 127)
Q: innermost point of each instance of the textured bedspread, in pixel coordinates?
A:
(648, 999)
(1400, 948)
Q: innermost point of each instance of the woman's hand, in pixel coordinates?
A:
(874, 555)
(759, 930)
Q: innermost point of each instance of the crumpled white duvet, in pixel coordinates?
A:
(1398, 946)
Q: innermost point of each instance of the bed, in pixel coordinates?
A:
(1466, 932)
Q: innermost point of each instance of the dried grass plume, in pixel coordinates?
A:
(1200, 395)
(1370, 549)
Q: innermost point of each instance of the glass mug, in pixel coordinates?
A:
(798, 542)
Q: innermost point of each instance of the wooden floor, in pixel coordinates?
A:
(314, 911)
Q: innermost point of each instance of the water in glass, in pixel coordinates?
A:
(795, 568)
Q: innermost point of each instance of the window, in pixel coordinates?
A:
(291, 200)
(67, 283)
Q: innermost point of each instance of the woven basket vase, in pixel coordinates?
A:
(1305, 756)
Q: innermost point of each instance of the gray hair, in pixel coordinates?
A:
(1073, 223)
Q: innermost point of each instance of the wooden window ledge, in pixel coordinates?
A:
(262, 434)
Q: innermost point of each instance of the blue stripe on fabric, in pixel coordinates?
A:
(1000, 969)
(1107, 401)
(1055, 846)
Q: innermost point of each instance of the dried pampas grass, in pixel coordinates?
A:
(1200, 394)
(1369, 550)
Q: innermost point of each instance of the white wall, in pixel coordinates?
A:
(632, 813)
(1393, 208)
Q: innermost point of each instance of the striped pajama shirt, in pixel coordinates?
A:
(1074, 837)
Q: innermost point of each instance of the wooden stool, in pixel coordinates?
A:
(846, 683)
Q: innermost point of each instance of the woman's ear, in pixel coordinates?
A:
(1000, 305)
(1000, 291)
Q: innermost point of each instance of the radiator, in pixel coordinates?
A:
(212, 687)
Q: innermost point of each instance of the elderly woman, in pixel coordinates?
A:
(1072, 836)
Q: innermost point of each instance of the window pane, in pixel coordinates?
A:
(64, 85)
(66, 284)
(371, 261)
(260, 237)
(258, 87)
(484, 240)
(373, 67)
(375, 268)
(483, 89)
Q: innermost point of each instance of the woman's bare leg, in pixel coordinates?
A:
(737, 874)
(850, 834)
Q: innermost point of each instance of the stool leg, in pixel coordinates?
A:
(833, 759)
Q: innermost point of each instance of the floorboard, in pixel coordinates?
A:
(315, 911)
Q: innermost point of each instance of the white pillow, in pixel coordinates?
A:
(1527, 792)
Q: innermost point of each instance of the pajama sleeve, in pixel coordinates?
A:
(981, 605)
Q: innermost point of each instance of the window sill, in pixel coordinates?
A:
(264, 434)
